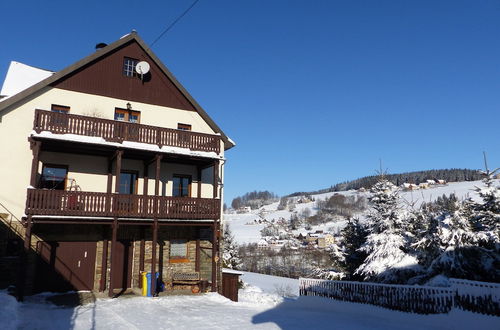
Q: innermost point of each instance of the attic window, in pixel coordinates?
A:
(129, 67)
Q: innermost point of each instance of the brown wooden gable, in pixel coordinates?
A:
(105, 77)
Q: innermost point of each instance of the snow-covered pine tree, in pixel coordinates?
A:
(486, 215)
(230, 255)
(387, 242)
(461, 255)
(348, 255)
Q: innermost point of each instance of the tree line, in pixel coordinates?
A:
(449, 175)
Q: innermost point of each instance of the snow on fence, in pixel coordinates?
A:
(479, 297)
(408, 298)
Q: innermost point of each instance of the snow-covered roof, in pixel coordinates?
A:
(231, 271)
(21, 76)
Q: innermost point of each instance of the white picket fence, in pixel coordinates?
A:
(480, 297)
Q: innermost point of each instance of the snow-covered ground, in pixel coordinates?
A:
(246, 231)
(259, 308)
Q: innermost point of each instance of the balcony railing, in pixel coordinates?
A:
(119, 131)
(94, 204)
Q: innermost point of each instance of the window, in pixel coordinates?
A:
(184, 127)
(178, 250)
(129, 67)
(59, 108)
(54, 177)
(128, 182)
(127, 115)
(181, 186)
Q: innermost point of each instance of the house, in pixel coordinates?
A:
(113, 169)
(410, 186)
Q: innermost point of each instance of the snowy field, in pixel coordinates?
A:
(258, 308)
(245, 231)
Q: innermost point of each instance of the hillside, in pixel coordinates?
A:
(416, 177)
(246, 227)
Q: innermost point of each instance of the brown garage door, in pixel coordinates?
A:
(64, 266)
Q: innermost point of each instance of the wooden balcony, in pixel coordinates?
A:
(94, 204)
(119, 131)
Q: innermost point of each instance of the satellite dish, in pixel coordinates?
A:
(142, 67)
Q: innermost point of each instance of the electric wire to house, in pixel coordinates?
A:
(168, 28)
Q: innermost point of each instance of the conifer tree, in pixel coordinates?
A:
(230, 254)
(387, 242)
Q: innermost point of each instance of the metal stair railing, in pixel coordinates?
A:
(9, 221)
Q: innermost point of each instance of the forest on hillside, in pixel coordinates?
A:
(449, 175)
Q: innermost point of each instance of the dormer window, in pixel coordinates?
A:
(129, 65)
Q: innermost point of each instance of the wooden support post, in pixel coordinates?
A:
(142, 250)
(35, 148)
(216, 179)
(197, 256)
(155, 224)
(199, 181)
(118, 169)
(24, 260)
(157, 174)
(214, 257)
(104, 266)
(113, 256)
(153, 257)
(146, 178)
(109, 188)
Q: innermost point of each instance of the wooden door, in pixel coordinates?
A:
(122, 265)
(64, 266)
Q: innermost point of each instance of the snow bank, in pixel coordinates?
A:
(281, 286)
(9, 314)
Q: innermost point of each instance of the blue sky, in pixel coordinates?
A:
(313, 92)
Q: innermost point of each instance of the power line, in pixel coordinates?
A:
(174, 22)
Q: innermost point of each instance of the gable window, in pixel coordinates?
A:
(129, 65)
(181, 186)
(178, 250)
(127, 115)
(54, 177)
(184, 127)
(59, 108)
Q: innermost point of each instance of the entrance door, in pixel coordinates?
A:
(122, 265)
(64, 266)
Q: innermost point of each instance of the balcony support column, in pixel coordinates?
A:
(118, 169)
(199, 181)
(35, 148)
(142, 250)
(146, 178)
(24, 259)
(214, 257)
(153, 257)
(216, 178)
(155, 224)
(113, 256)
(104, 266)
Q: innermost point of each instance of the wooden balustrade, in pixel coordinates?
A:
(119, 131)
(94, 204)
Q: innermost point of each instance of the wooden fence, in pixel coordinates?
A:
(119, 131)
(408, 298)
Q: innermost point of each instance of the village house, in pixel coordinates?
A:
(113, 169)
